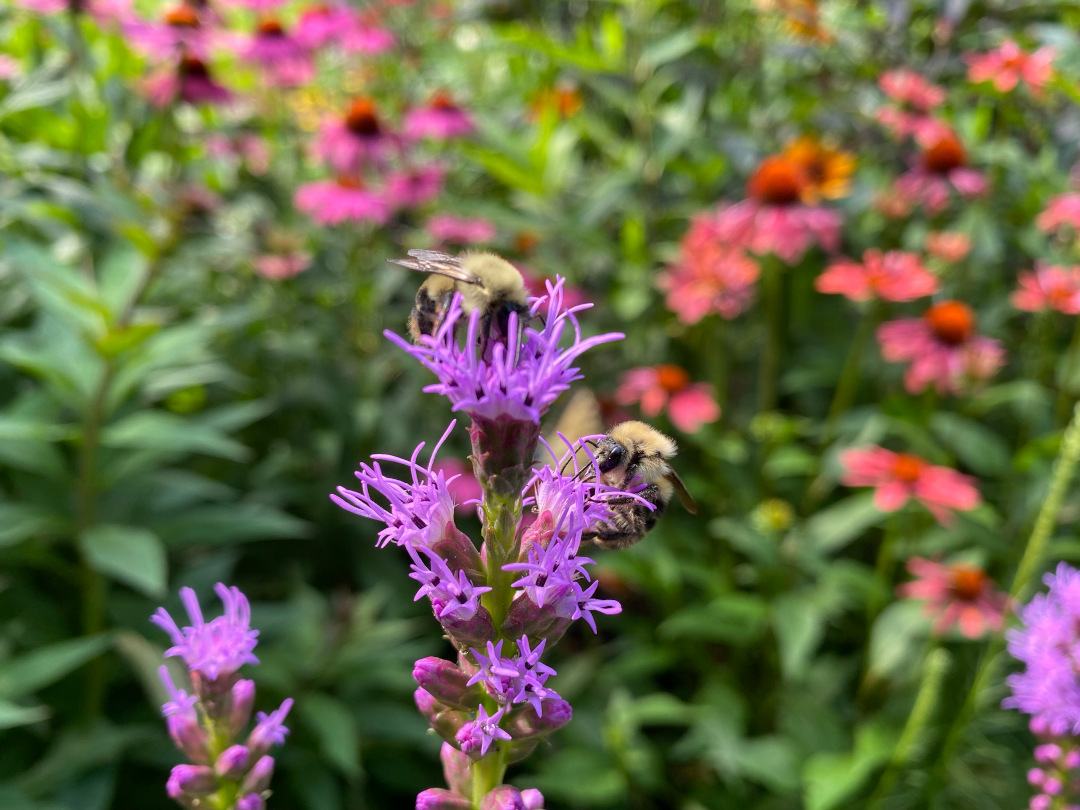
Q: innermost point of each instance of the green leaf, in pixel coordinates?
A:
(799, 624)
(770, 761)
(670, 48)
(332, 724)
(735, 618)
(13, 715)
(169, 433)
(831, 779)
(129, 554)
(121, 272)
(225, 525)
(896, 639)
(838, 525)
(978, 447)
(24, 521)
(34, 670)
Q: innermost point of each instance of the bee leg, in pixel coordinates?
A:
(629, 521)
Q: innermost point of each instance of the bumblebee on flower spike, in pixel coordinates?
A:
(488, 284)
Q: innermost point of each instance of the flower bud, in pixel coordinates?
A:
(258, 778)
(233, 762)
(1049, 752)
(502, 448)
(190, 737)
(526, 724)
(439, 799)
(457, 769)
(190, 780)
(459, 552)
(446, 683)
(448, 723)
(252, 801)
(241, 702)
(521, 749)
(525, 618)
(474, 632)
(427, 704)
(506, 797)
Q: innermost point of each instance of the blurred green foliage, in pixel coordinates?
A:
(168, 417)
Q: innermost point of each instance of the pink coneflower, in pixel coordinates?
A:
(666, 387)
(251, 149)
(277, 266)
(182, 30)
(1063, 210)
(773, 219)
(364, 36)
(285, 60)
(942, 166)
(441, 120)
(959, 594)
(415, 187)
(331, 201)
(1049, 287)
(351, 141)
(448, 228)
(1008, 64)
(190, 80)
(914, 97)
(324, 23)
(899, 477)
(948, 246)
(9, 68)
(891, 276)
(710, 276)
(942, 348)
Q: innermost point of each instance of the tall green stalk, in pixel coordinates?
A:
(849, 376)
(772, 293)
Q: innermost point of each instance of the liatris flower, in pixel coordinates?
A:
(1008, 64)
(207, 725)
(1063, 210)
(942, 168)
(961, 595)
(827, 171)
(899, 477)
(503, 605)
(1059, 759)
(948, 246)
(445, 228)
(350, 142)
(711, 275)
(441, 120)
(287, 62)
(942, 348)
(773, 219)
(1049, 287)
(189, 80)
(329, 202)
(891, 276)
(668, 387)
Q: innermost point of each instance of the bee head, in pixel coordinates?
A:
(611, 455)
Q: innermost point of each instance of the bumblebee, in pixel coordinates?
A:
(487, 283)
(629, 451)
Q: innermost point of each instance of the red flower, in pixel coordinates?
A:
(960, 595)
(1008, 64)
(892, 276)
(1049, 287)
(689, 405)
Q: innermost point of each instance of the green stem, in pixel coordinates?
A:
(926, 701)
(772, 293)
(1026, 571)
(488, 773)
(716, 355)
(849, 376)
(1071, 360)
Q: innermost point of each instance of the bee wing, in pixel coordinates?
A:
(685, 498)
(442, 264)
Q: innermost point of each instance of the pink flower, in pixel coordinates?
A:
(899, 477)
(184, 30)
(773, 220)
(351, 141)
(710, 276)
(190, 80)
(960, 595)
(689, 405)
(1049, 287)
(441, 120)
(9, 68)
(278, 266)
(286, 60)
(331, 201)
(949, 246)
(1007, 65)
(942, 167)
(448, 228)
(942, 348)
(910, 88)
(321, 24)
(415, 187)
(250, 148)
(1062, 210)
(464, 489)
(892, 276)
(365, 37)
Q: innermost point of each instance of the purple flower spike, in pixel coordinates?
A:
(258, 778)
(451, 595)
(190, 780)
(514, 680)
(252, 801)
(440, 799)
(217, 648)
(520, 378)
(270, 729)
(233, 762)
(476, 736)
(506, 797)
(446, 682)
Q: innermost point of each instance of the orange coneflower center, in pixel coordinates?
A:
(182, 16)
(526, 241)
(966, 582)
(271, 27)
(908, 468)
(951, 321)
(351, 181)
(361, 118)
(777, 181)
(442, 100)
(826, 171)
(190, 66)
(944, 155)
(672, 378)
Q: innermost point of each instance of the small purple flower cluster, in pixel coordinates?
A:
(207, 724)
(505, 604)
(1049, 646)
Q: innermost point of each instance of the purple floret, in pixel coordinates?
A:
(217, 648)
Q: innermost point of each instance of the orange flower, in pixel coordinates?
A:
(801, 19)
(827, 171)
(565, 100)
